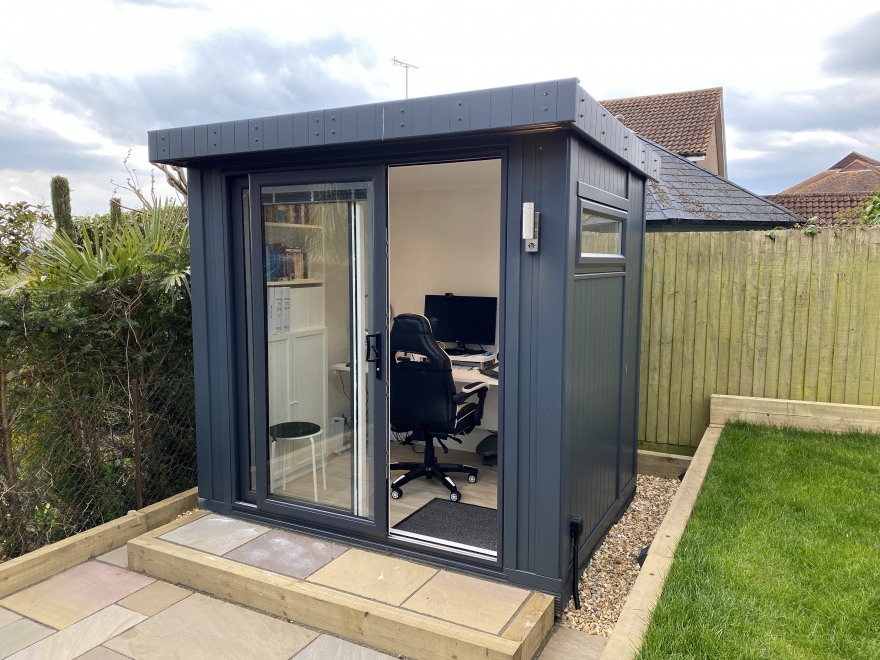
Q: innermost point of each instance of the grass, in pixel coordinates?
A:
(781, 556)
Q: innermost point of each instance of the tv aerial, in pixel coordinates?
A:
(406, 67)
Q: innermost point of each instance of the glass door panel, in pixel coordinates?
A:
(316, 239)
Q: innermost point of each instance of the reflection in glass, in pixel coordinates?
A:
(316, 240)
(599, 235)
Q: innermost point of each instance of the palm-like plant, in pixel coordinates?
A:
(151, 242)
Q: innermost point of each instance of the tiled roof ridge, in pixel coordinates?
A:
(647, 96)
(779, 207)
(852, 157)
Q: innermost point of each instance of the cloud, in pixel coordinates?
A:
(29, 147)
(168, 4)
(230, 75)
(856, 51)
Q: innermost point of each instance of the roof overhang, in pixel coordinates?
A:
(539, 106)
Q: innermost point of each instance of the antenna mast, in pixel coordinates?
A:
(406, 67)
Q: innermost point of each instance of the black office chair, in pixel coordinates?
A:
(425, 403)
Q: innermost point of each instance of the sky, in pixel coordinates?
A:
(82, 82)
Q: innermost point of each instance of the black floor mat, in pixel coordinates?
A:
(458, 522)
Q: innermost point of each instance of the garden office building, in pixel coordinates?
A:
(416, 324)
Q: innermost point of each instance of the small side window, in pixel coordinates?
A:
(601, 234)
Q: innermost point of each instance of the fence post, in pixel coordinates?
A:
(136, 424)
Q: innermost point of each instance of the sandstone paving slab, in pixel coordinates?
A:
(203, 628)
(76, 593)
(102, 653)
(118, 557)
(469, 601)
(215, 534)
(7, 617)
(21, 634)
(380, 577)
(82, 636)
(154, 598)
(333, 648)
(568, 644)
(289, 554)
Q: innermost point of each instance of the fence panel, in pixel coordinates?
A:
(779, 314)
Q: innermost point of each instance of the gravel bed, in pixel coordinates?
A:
(613, 569)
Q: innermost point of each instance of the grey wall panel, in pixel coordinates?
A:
(301, 129)
(242, 136)
(459, 112)
(162, 144)
(500, 107)
(333, 126)
(400, 120)
(545, 103)
(255, 135)
(480, 110)
(152, 148)
(201, 141)
(349, 119)
(366, 117)
(285, 131)
(175, 142)
(567, 100)
(215, 139)
(522, 105)
(188, 142)
(440, 107)
(421, 116)
(316, 128)
(270, 133)
(227, 137)
(201, 361)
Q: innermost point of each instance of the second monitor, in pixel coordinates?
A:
(462, 320)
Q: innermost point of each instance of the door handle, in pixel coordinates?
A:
(374, 352)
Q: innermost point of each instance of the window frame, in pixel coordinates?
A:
(610, 213)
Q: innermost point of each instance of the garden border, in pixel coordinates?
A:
(630, 629)
(45, 562)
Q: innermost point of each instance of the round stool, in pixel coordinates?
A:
(300, 431)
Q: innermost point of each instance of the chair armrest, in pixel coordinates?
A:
(469, 390)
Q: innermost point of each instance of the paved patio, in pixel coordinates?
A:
(100, 610)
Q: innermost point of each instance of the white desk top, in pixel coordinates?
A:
(459, 374)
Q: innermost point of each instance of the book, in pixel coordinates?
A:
(270, 311)
(278, 311)
(285, 315)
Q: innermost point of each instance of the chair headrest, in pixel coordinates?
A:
(411, 333)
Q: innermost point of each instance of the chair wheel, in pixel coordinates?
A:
(396, 493)
(472, 478)
(455, 496)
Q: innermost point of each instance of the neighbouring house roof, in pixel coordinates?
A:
(686, 196)
(842, 187)
(824, 206)
(682, 122)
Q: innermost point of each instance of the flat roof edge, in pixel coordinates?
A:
(562, 103)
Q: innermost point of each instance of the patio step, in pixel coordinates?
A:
(393, 629)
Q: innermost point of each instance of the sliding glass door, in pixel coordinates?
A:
(316, 301)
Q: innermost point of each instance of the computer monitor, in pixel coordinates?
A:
(463, 319)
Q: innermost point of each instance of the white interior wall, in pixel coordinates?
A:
(444, 234)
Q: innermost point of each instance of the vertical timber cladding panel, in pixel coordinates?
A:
(595, 395)
(199, 278)
(536, 493)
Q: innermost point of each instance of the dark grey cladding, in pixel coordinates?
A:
(562, 103)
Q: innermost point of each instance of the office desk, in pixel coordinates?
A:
(459, 374)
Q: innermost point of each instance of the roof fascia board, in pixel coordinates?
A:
(557, 103)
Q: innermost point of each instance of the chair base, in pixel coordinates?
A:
(429, 469)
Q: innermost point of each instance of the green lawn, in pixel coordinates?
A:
(781, 556)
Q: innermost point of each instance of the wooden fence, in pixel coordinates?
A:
(785, 315)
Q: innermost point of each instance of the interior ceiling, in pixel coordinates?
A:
(467, 174)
